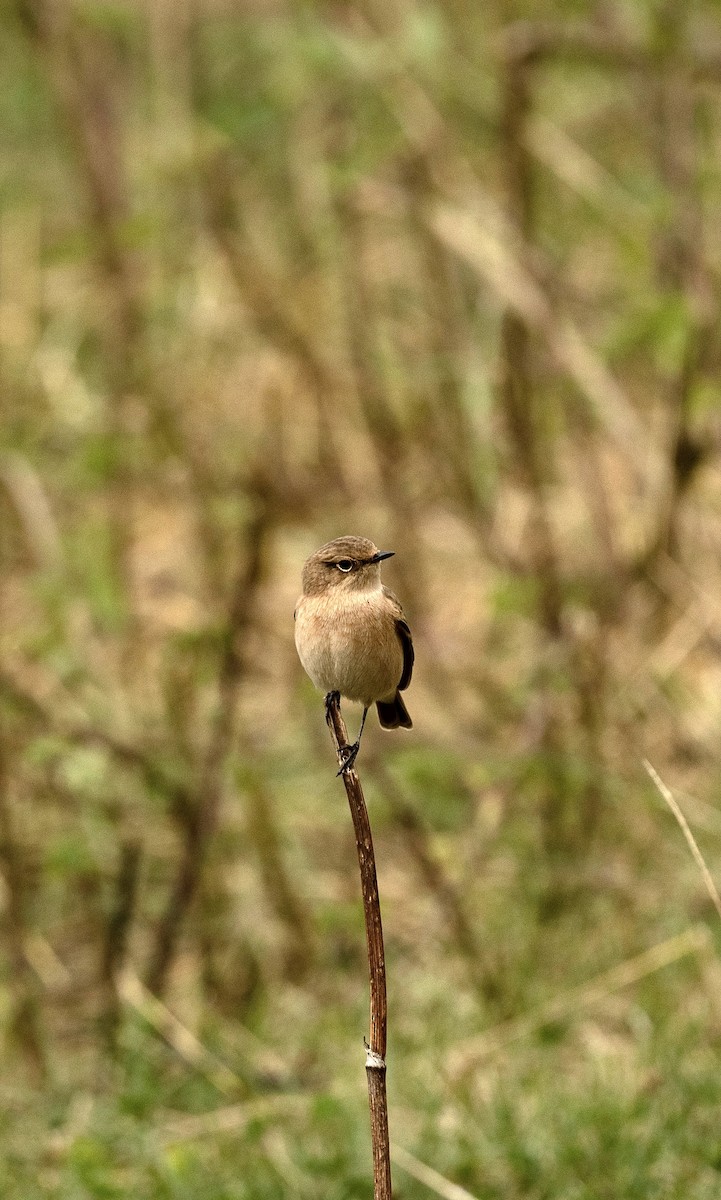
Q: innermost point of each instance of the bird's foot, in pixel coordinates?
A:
(350, 754)
(331, 698)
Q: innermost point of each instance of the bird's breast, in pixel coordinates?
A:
(350, 645)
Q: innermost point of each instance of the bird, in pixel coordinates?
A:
(351, 634)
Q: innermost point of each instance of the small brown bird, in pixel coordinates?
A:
(351, 634)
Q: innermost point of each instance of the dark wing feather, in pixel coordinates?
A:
(404, 633)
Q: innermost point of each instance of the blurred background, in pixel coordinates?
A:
(440, 274)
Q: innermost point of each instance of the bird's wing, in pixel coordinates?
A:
(406, 639)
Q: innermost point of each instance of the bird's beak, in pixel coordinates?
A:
(382, 554)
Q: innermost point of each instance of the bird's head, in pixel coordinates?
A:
(347, 564)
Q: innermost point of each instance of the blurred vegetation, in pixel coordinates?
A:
(441, 274)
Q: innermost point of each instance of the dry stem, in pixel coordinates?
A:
(376, 1047)
(691, 840)
(25, 1022)
(116, 937)
(201, 819)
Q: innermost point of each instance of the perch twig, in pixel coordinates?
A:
(376, 1046)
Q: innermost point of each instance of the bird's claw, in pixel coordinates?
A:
(330, 699)
(349, 753)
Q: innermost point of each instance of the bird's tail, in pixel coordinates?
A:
(392, 713)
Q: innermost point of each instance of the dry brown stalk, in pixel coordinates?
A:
(275, 319)
(200, 820)
(518, 391)
(429, 1177)
(116, 936)
(282, 895)
(551, 145)
(234, 1117)
(449, 426)
(29, 498)
(534, 41)
(519, 403)
(682, 267)
(376, 1046)
(25, 1021)
(79, 63)
(676, 66)
(591, 670)
(690, 839)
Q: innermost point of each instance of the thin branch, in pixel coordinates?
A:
(79, 63)
(276, 320)
(29, 497)
(628, 214)
(201, 819)
(26, 1023)
(428, 1177)
(282, 895)
(235, 1117)
(116, 937)
(681, 268)
(518, 391)
(448, 420)
(671, 801)
(182, 1040)
(376, 1047)
(533, 41)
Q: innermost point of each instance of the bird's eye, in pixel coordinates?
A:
(345, 564)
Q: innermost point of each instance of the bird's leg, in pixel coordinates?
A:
(331, 698)
(350, 753)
